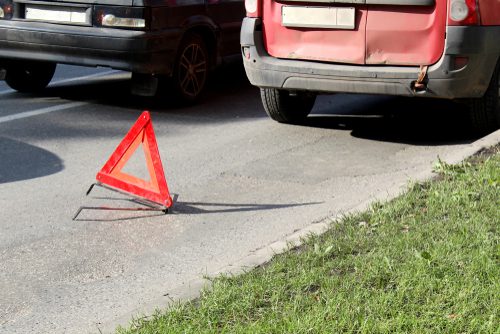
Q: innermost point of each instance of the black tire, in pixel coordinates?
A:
(287, 107)
(190, 71)
(29, 76)
(484, 112)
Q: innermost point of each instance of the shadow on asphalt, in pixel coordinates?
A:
(132, 208)
(414, 121)
(227, 80)
(204, 208)
(22, 161)
(90, 214)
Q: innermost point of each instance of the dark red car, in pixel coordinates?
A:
(176, 41)
(447, 49)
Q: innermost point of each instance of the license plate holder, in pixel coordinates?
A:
(69, 15)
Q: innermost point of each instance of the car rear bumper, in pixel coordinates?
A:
(477, 43)
(136, 51)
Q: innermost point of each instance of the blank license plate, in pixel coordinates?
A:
(318, 17)
(50, 14)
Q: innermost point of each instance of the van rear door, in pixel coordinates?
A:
(395, 32)
(315, 30)
(409, 33)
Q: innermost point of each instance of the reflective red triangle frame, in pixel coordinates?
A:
(111, 173)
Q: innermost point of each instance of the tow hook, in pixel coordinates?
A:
(421, 83)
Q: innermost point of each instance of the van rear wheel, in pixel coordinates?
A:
(29, 76)
(484, 112)
(287, 107)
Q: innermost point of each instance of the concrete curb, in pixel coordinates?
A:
(191, 289)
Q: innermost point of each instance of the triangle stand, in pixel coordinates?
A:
(152, 194)
(149, 205)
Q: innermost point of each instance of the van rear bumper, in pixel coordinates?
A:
(479, 44)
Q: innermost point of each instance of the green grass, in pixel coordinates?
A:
(426, 262)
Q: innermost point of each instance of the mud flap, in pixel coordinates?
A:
(144, 84)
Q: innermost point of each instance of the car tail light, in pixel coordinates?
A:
(110, 20)
(6, 9)
(463, 13)
(253, 8)
(121, 17)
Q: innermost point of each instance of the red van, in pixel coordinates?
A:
(295, 49)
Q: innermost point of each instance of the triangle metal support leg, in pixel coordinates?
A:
(149, 205)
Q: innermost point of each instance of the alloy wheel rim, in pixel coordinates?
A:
(192, 70)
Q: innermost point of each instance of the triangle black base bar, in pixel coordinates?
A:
(149, 206)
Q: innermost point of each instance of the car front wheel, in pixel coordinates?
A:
(29, 76)
(287, 107)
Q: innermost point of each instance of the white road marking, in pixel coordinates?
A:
(41, 111)
(85, 77)
(62, 81)
(7, 91)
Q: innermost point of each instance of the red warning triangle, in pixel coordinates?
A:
(154, 190)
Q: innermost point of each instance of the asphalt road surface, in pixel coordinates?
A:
(242, 180)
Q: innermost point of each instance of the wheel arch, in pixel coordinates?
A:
(208, 31)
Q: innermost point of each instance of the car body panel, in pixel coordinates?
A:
(345, 46)
(228, 14)
(490, 12)
(405, 35)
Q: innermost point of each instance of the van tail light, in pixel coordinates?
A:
(253, 8)
(463, 13)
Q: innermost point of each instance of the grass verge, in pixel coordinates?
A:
(426, 262)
